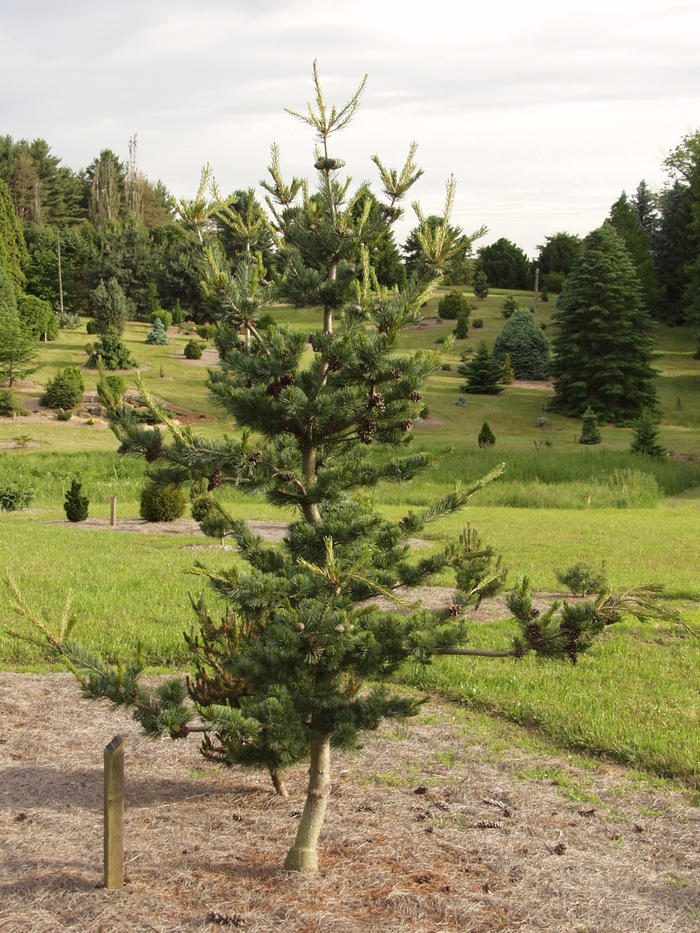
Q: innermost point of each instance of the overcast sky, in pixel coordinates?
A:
(545, 111)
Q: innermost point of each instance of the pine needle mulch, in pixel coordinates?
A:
(429, 829)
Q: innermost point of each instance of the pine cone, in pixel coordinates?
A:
(396, 373)
(240, 344)
(256, 456)
(214, 480)
(455, 610)
(415, 396)
(407, 424)
(376, 400)
(154, 451)
(287, 379)
(382, 328)
(335, 366)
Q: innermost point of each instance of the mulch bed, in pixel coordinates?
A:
(416, 840)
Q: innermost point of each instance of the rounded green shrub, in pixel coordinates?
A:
(162, 503)
(91, 327)
(165, 317)
(65, 390)
(37, 317)
(202, 506)
(452, 304)
(528, 347)
(8, 402)
(477, 323)
(193, 350)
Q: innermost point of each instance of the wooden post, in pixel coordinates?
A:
(113, 513)
(114, 814)
(537, 288)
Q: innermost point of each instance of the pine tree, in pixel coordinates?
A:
(646, 437)
(300, 661)
(603, 349)
(482, 372)
(486, 436)
(590, 433)
(76, 504)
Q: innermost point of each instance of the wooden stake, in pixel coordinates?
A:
(114, 814)
(537, 288)
(113, 513)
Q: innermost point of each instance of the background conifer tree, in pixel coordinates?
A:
(603, 349)
(482, 372)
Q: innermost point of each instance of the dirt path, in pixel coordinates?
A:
(201, 842)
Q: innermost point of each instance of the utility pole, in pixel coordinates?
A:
(60, 280)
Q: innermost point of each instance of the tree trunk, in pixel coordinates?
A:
(308, 465)
(303, 856)
(278, 781)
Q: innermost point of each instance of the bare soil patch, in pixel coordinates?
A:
(200, 842)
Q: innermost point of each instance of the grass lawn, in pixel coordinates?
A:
(634, 697)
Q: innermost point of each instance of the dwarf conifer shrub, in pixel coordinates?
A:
(76, 504)
(583, 579)
(178, 316)
(509, 306)
(522, 338)
(111, 352)
(8, 402)
(481, 285)
(646, 437)
(193, 350)
(506, 370)
(165, 317)
(65, 390)
(202, 506)
(14, 497)
(590, 434)
(486, 436)
(157, 335)
(482, 374)
(162, 503)
(453, 304)
(461, 331)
